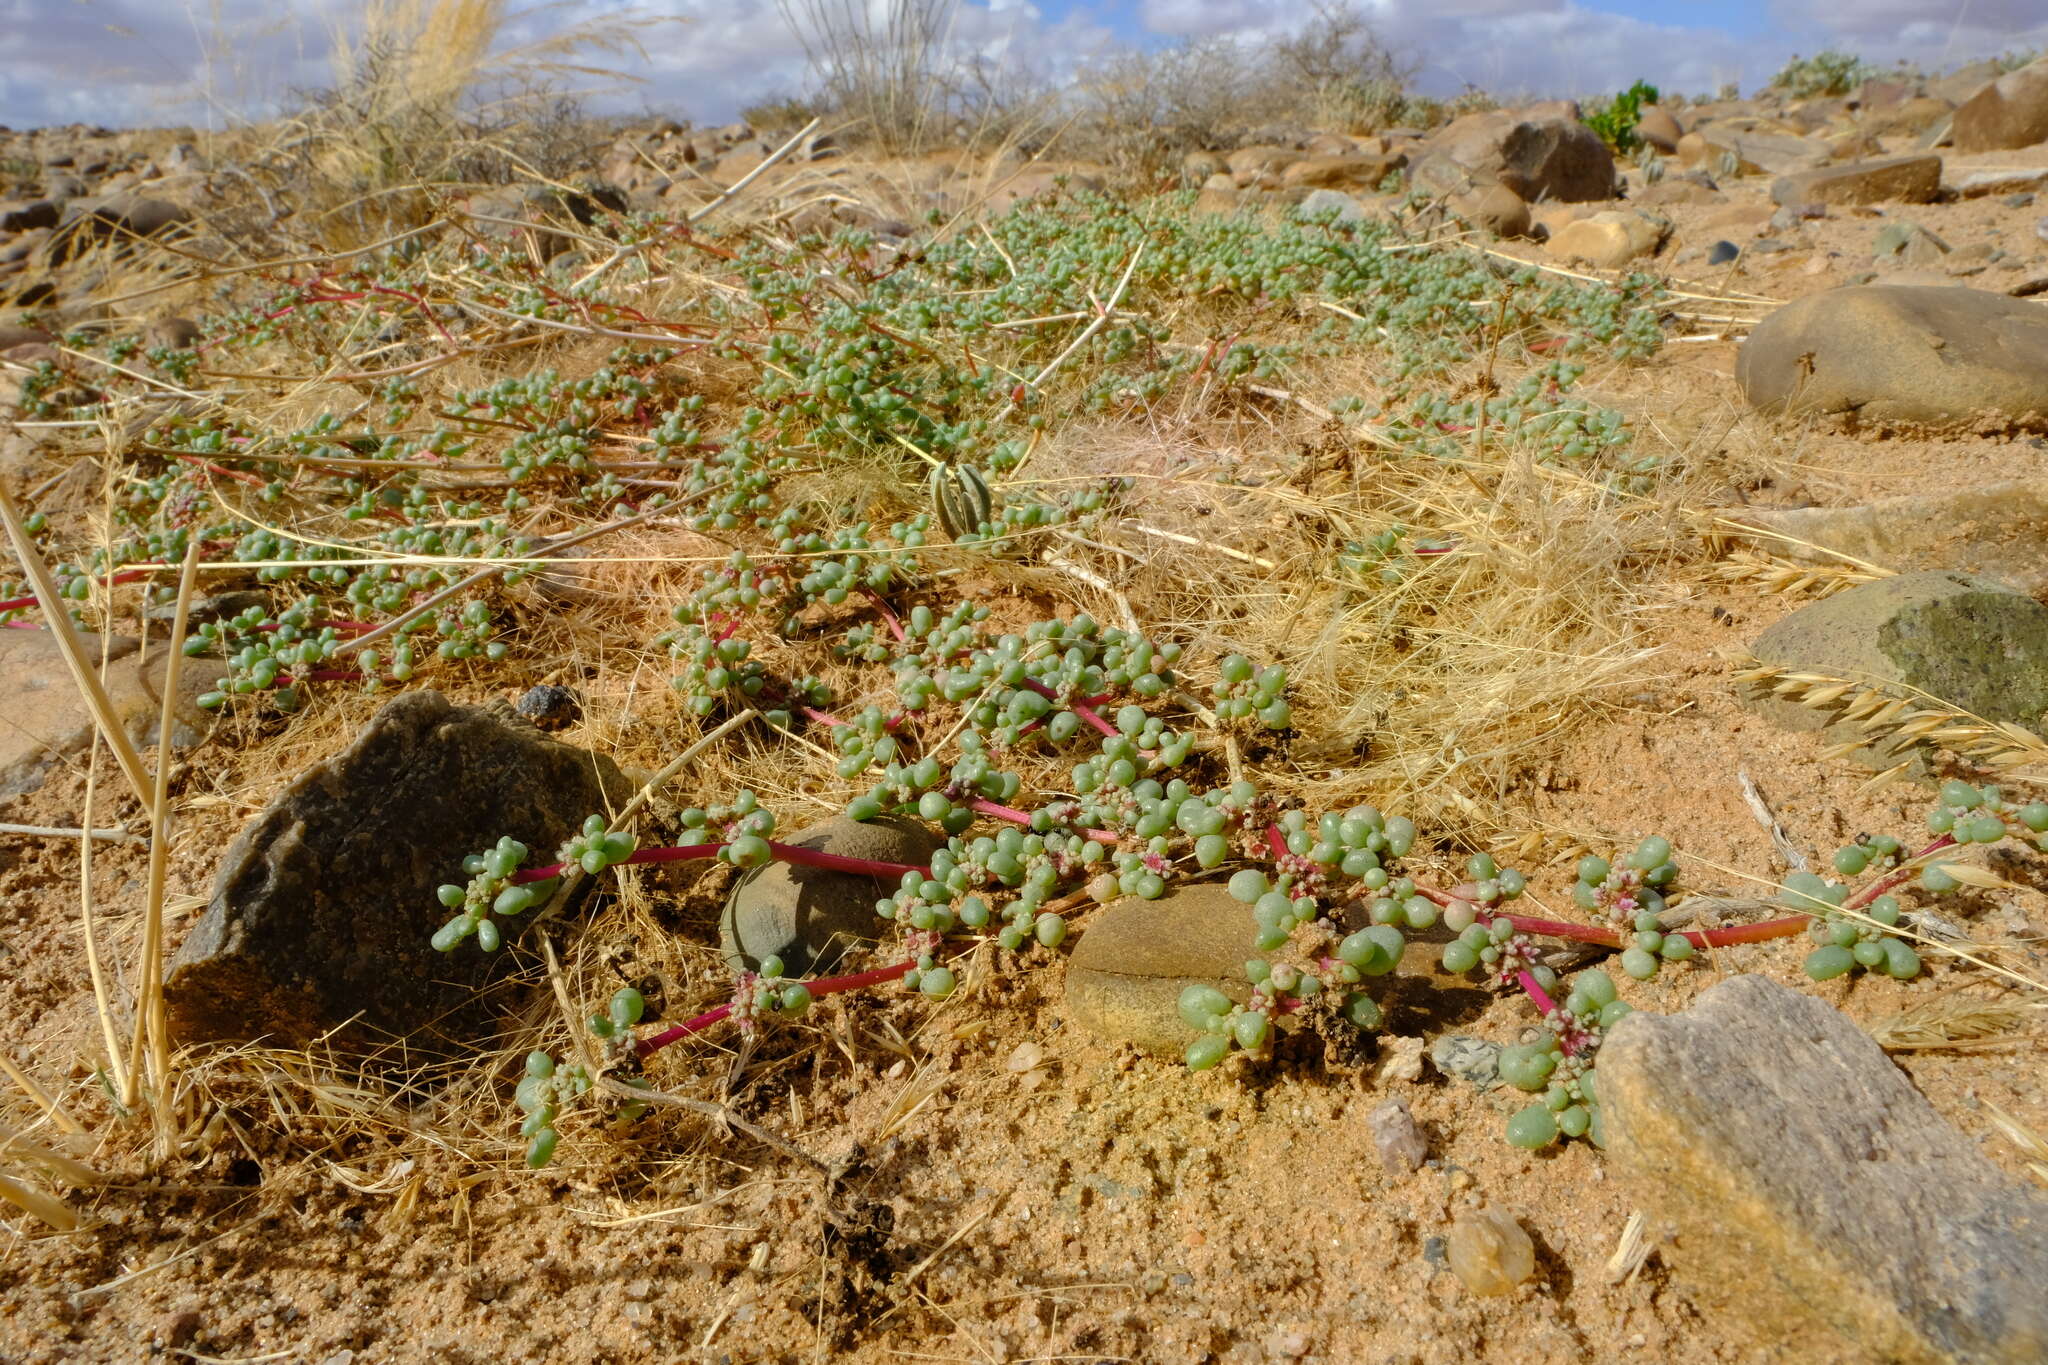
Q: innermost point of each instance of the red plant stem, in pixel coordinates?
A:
(1544, 1004)
(831, 985)
(1079, 706)
(812, 713)
(1892, 879)
(782, 853)
(895, 625)
(983, 806)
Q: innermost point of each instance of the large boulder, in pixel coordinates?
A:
(1902, 180)
(2012, 111)
(324, 904)
(1927, 356)
(1539, 158)
(1818, 1196)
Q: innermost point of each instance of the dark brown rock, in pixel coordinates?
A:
(1126, 975)
(2011, 111)
(1937, 357)
(1656, 126)
(17, 216)
(324, 904)
(810, 917)
(1541, 158)
(1817, 1194)
(1900, 180)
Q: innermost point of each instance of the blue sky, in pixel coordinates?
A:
(141, 61)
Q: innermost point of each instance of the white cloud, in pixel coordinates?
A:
(125, 62)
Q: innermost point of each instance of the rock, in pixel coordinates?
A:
(324, 903)
(1817, 1193)
(2012, 111)
(1249, 165)
(1903, 179)
(1497, 209)
(1943, 357)
(1912, 118)
(1998, 531)
(172, 334)
(1721, 148)
(1908, 244)
(1126, 975)
(1722, 252)
(549, 706)
(1475, 1061)
(19, 216)
(1656, 126)
(48, 719)
(1970, 642)
(811, 916)
(1038, 183)
(1609, 240)
(1539, 158)
(1489, 1252)
(1693, 188)
(1196, 167)
(1218, 201)
(12, 336)
(1336, 144)
(1320, 203)
(1397, 1135)
(1356, 172)
(1856, 147)
(129, 213)
(2003, 181)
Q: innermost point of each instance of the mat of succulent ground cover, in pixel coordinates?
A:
(1551, 673)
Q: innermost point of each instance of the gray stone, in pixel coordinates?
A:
(1970, 642)
(1126, 975)
(2011, 181)
(1320, 203)
(1722, 252)
(1475, 1061)
(810, 917)
(1816, 1191)
(1904, 180)
(1998, 530)
(1908, 243)
(1940, 357)
(323, 906)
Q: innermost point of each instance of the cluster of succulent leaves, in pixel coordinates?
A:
(266, 654)
(1561, 1063)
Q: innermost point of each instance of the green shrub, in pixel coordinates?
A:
(1615, 121)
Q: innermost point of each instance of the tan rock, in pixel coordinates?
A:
(1355, 172)
(1818, 1195)
(1945, 358)
(2011, 111)
(1903, 180)
(1999, 531)
(1909, 118)
(1247, 164)
(1656, 126)
(48, 719)
(1126, 975)
(1498, 210)
(2002, 180)
(1719, 148)
(1608, 240)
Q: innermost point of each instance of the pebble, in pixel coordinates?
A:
(1026, 1056)
(1490, 1253)
(1400, 1139)
(1722, 252)
(1474, 1061)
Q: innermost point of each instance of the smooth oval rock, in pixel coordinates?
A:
(1126, 975)
(811, 916)
(1608, 240)
(1944, 358)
